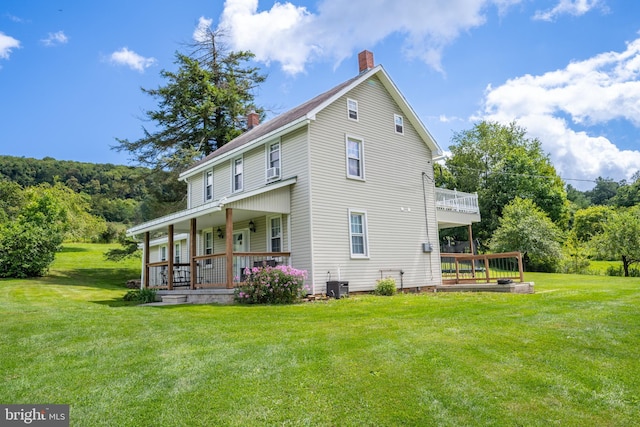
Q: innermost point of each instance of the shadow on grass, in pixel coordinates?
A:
(117, 302)
(100, 278)
(73, 249)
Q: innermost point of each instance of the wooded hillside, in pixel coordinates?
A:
(118, 193)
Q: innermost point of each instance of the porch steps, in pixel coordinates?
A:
(174, 299)
(195, 296)
(514, 288)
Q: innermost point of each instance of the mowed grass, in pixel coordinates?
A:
(567, 355)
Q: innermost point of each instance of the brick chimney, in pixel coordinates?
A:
(253, 120)
(365, 60)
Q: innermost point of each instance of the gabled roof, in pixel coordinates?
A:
(300, 115)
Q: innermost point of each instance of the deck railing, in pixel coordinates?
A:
(211, 269)
(457, 201)
(487, 268)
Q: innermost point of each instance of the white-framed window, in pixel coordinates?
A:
(358, 234)
(163, 253)
(273, 161)
(274, 226)
(176, 253)
(208, 185)
(399, 123)
(352, 109)
(355, 157)
(237, 170)
(208, 246)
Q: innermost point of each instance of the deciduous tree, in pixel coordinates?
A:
(501, 163)
(525, 228)
(620, 238)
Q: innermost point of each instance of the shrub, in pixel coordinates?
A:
(386, 286)
(27, 249)
(619, 271)
(272, 285)
(143, 296)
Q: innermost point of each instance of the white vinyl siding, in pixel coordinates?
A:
(358, 234)
(352, 109)
(237, 178)
(393, 181)
(196, 192)
(355, 157)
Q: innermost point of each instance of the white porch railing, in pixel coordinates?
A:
(457, 201)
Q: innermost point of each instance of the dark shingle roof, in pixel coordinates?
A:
(274, 124)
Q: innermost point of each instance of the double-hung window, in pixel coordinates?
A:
(208, 246)
(176, 253)
(352, 109)
(275, 234)
(273, 161)
(399, 124)
(208, 186)
(237, 174)
(355, 158)
(163, 253)
(358, 234)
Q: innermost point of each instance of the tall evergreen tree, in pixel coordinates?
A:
(202, 107)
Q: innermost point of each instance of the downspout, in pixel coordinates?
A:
(426, 218)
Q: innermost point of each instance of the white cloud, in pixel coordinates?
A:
(14, 18)
(565, 108)
(7, 43)
(293, 35)
(202, 29)
(131, 59)
(54, 39)
(569, 7)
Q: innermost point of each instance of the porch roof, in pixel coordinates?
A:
(181, 219)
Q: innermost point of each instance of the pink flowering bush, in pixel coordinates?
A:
(272, 285)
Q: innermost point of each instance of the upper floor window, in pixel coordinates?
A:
(399, 123)
(275, 234)
(208, 185)
(273, 161)
(237, 174)
(355, 158)
(352, 109)
(358, 234)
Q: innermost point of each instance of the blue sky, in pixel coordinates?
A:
(566, 70)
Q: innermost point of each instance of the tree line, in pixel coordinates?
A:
(115, 193)
(526, 206)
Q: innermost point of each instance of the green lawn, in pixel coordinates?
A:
(567, 355)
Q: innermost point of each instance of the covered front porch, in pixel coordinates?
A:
(212, 245)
